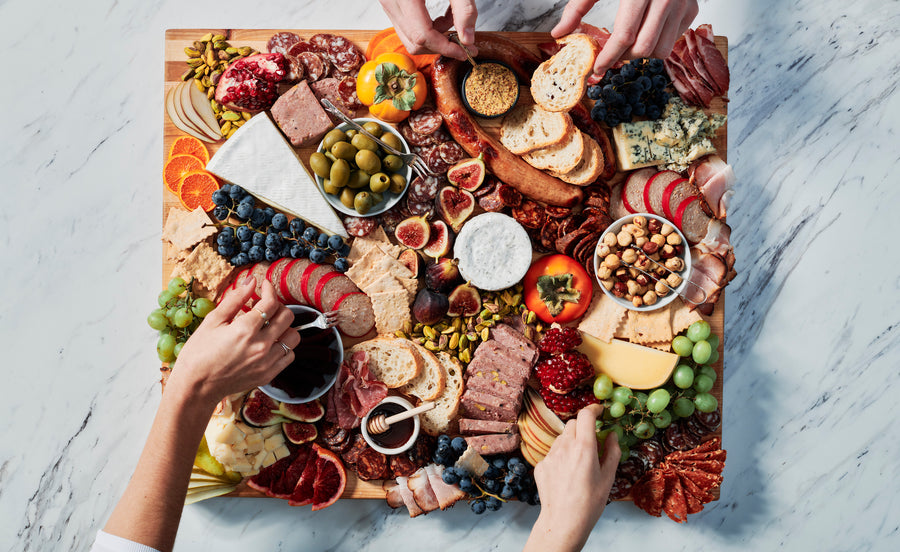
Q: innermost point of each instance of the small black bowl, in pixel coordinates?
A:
(473, 111)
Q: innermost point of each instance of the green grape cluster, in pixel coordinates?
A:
(637, 415)
(177, 317)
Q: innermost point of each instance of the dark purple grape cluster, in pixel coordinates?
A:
(637, 89)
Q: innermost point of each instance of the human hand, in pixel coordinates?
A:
(422, 35)
(643, 28)
(232, 351)
(573, 484)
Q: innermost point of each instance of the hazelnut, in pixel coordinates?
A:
(624, 239)
(642, 279)
(604, 272)
(654, 226)
(679, 249)
(641, 290)
(673, 239)
(619, 289)
(675, 264)
(640, 241)
(658, 239)
(603, 250)
(622, 274)
(633, 272)
(637, 301)
(650, 248)
(629, 228)
(674, 280)
(640, 221)
(661, 271)
(661, 288)
(650, 298)
(638, 231)
(632, 286)
(607, 283)
(629, 256)
(667, 251)
(612, 261)
(655, 256)
(642, 263)
(666, 230)
(609, 239)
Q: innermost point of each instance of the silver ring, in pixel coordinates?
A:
(284, 347)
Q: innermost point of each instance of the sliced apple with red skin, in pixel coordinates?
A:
(538, 438)
(667, 197)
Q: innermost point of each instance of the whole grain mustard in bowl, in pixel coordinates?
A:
(490, 89)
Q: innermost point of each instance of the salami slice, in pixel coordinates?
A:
(391, 218)
(512, 198)
(426, 121)
(412, 137)
(566, 244)
(704, 480)
(351, 455)
(566, 226)
(585, 247)
(282, 42)
(674, 502)
(620, 488)
(440, 136)
(714, 467)
(712, 420)
(548, 233)
(343, 54)
(648, 493)
(596, 223)
(402, 466)
(320, 42)
(420, 453)
(359, 226)
(347, 90)
(693, 495)
(529, 213)
(557, 212)
(436, 164)
(491, 202)
(424, 189)
(301, 47)
(419, 208)
(490, 184)
(315, 65)
(371, 464)
(451, 152)
(650, 453)
(295, 69)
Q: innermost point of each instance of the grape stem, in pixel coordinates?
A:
(483, 492)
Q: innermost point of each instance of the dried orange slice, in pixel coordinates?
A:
(195, 190)
(188, 145)
(177, 167)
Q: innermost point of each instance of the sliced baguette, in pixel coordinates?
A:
(430, 382)
(558, 83)
(560, 158)
(392, 360)
(588, 169)
(440, 418)
(528, 127)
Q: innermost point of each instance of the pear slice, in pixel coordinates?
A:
(193, 497)
(172, 112)
(201, 106)
(179, 108)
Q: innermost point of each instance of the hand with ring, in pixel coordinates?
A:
(230, 352)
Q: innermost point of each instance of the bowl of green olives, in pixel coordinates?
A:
(355, 174)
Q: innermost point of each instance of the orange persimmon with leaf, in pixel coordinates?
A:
(391, 87)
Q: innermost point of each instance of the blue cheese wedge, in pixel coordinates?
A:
(682, 135)
(259, 159)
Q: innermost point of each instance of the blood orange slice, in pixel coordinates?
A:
(331, 478)
(177, 168)
(188, 145)
(196, 188)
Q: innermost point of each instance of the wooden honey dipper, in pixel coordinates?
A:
(379, 424)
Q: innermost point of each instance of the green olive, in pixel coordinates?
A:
(374, 129)
(392, 163)
(367, 161)
(330, 156)
(377, 198)
(334, 136)
(379, 182)
(392, 140)
(363, 202)
(348, 195)
(343, 150)
(363, 142)
(358, 179)
(320, 164)
(330, 188)
(398, 183)
(340, 173)
(351, 132)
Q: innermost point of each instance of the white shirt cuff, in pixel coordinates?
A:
(106, 542)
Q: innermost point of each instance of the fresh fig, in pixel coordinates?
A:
(412, 261)
(429, 306)
(261, 410)
(306, 412)
(299, 432)
(413, 232)
(442, 275)
(468, 174)
(455, 206)
(440, 241)
(464, 301)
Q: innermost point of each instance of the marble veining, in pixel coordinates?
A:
(813, 334)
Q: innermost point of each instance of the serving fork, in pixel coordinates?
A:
(417, 163)
(324, 321)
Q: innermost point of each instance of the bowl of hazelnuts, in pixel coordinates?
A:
(642, 262)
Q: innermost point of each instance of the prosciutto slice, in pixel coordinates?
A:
(715, 180)
(697, 68)
(354, 393)
(710, 271)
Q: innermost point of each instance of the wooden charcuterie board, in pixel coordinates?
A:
(174, 65)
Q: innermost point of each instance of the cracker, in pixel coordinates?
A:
(384, 283)
(682, 316)
(665, 346)
(207, 266)
(391, 310)
(649, 327)
(374, 264)
(185, 229)
(602, 317)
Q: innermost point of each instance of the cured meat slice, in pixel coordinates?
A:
(491, 202)
(321, 41)
(357, 445)
(424, 189)
(709, 466)
(653, 190)
(557, 212)
(490, 185)
(401, 466)
(567, 243)
(586, 247)
(512, 197)
(694, 496)
(446, 495)
(347, 91)
(703, 480)
(412, 137)
(407, 496)
(419, 208)
(529, 213)
(548, 233)
(452, 153)
(432, 158)
(674, 502)
(359, 226)
(300, 47)
(343, 54)
(650, 453)
(426, 121)
(392, 217)
(648, 493)
(422, 491)
(440, 136)
(282, 42)
(633, 191)
(371, 465)
(392, 494)
(567, 225)
(596, 223)
(315, 66)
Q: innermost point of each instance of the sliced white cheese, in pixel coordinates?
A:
(282, 452)
(271, 430)
(193, 497)
(268, 460)
(260, 160)
(273, 442)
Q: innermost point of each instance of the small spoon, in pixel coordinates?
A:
(379, 424)
(455, 38)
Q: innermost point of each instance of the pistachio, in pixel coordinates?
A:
(223, 56)
(207, 82)
(418, 327)
(427, 330)
(187, 74)
(420, 340)
(245, 51)
(454, 340)
(401, 335)
(234, 116)
(485, 334)
(196, 62)
(239, 123)
(199, 46)
(210, 57)
(431, 346)
(496, 318)
(215, 76)
(215, 106)
(210, 93)
(463, 341)
(443, 342)
(207, 37)
(473, 337)
(479, 327)
(226, 127)
(199, 84)
(192, 52)
(530, 317)
(465, 356)
(220, 44)
(246, 116)
(231, 51)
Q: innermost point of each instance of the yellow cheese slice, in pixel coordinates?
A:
(628, 364)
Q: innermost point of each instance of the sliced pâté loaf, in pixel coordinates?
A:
(430, 382)
(482, 406)
(392, 360)
(529, 127)
(510, 337)
(471, 426)
(502, 443)
(558, 83)
(440, 418)
(561, 157)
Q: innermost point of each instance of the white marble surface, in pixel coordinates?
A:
(813, 336)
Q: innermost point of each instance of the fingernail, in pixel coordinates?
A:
(468, 35)
(248, 281)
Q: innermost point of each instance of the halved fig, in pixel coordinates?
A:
(261, 410)
(440, 241)
(442, 275)
(411, 260)
(455, 206)
(464, 301)
(413, 232)
(306, 412)
(299, 432)
(468, 174)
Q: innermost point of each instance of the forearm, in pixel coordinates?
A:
(150, 508)
(547, 536)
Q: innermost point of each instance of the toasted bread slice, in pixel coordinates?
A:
(560, 158)
(439, 419)
(589, 168)
(392, 360)
(430, 382)
(558, 83)
(528, 127)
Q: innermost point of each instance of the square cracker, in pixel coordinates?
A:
(373, 264)
(650, 327)
(185, 229)
(665, 346)
(391, 310)
(207, 266)
(602, 317)
(682, 316)
(361, 246)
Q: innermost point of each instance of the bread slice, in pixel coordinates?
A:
(392, 360)
(439, 419)
(560, 158)
(430, 382)
(528, 127)
(588, 169)
(558, 83)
